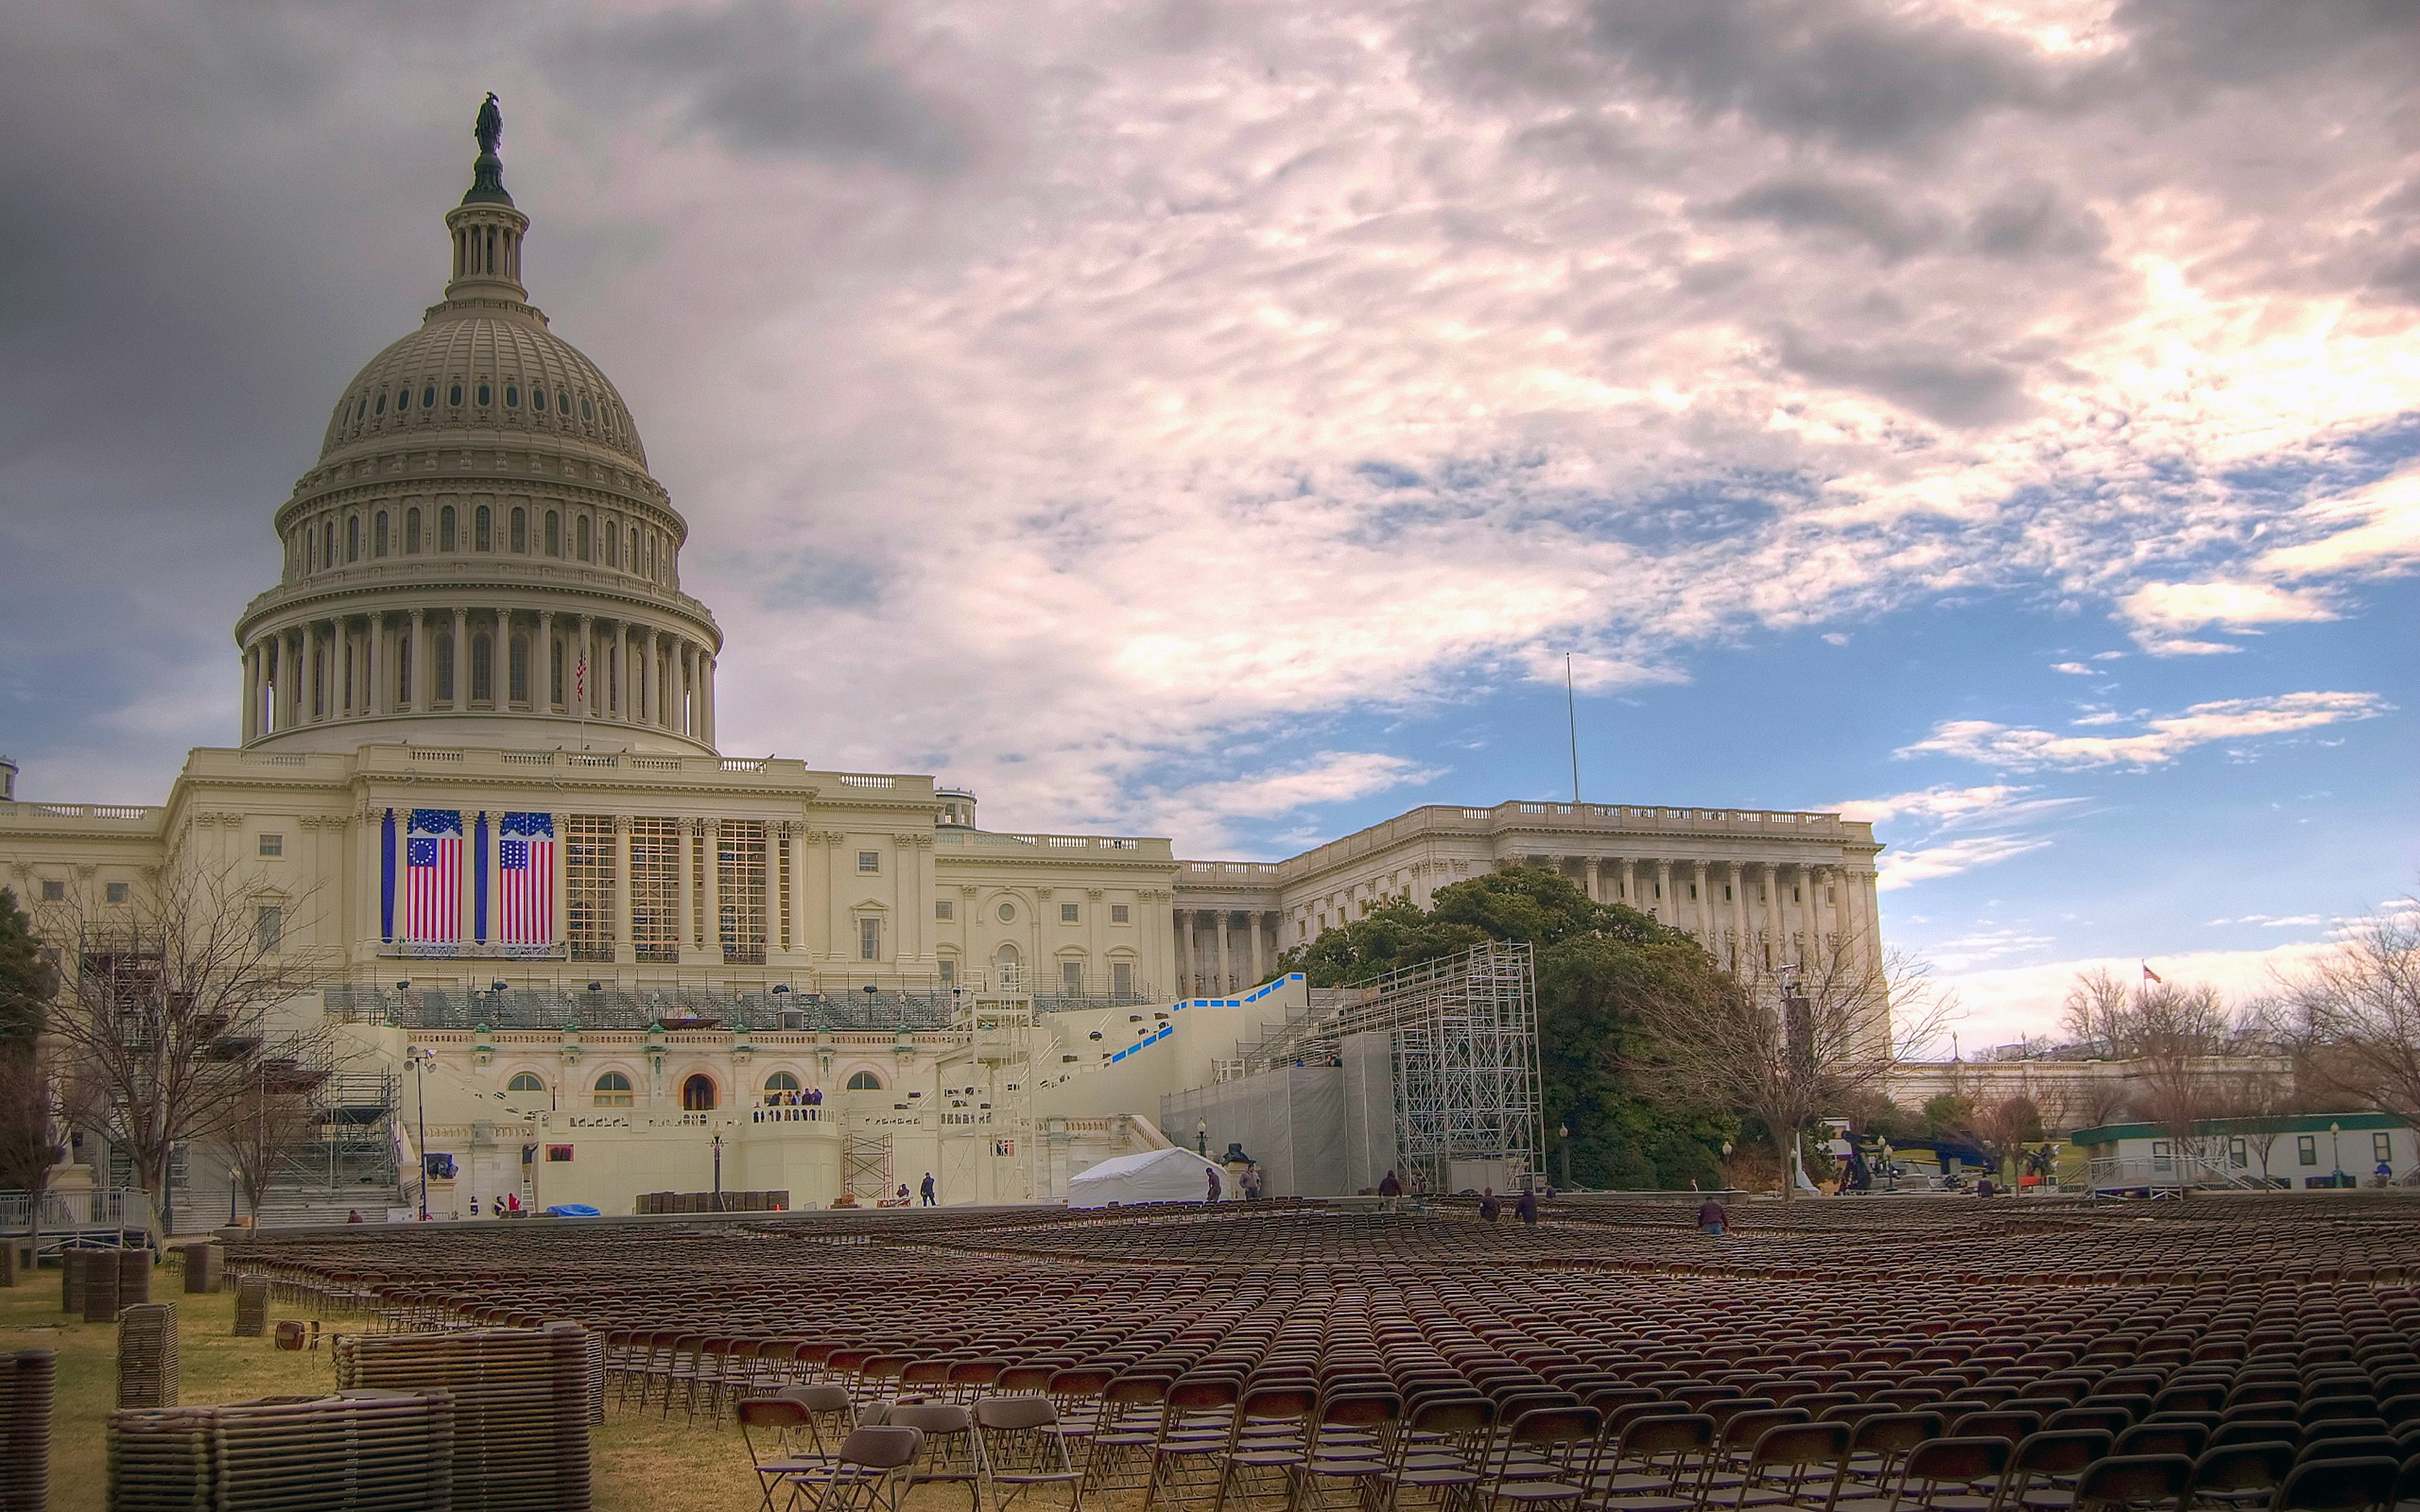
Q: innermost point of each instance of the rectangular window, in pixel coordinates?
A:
(869, 861)
(272, 844)
(588, 884)
(269, 923)
(1071, 978)
(782, 848)
(949, 970)
(869, 939)
(1121, 913)
(740, 881)
(2239, 1153)
(2305, 1149)
(655, 888)
(558, 1153)
(53, 890)
(945, 910)
(1121, 979)
(116, 892)
(2381, 1147)
(1067, 913)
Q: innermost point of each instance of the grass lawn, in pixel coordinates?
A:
(641, 1465)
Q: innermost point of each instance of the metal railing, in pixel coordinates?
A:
(580, 1008)
(2163, 1173)
(105, 1209)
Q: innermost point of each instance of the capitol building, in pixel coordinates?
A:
(577, 955)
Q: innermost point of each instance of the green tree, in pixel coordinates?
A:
(1593, 960)
(29, 1149)
(26, 979)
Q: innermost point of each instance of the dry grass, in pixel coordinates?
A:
(642, 1465)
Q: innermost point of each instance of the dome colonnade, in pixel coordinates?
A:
(480, 548)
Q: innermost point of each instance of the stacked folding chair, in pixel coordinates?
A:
(389, 1450)
(520, 1407)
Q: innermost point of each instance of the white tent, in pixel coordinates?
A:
(1154, 1175)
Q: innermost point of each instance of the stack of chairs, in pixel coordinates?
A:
(148, 1370)
(385, 1449)
(520, 1407)
(29, 1386)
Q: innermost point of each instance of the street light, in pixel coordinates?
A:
(420, 1059)
(2336, 1145)
(718, 1173)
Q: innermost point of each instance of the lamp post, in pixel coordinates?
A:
(2336, 1155)
(718, 1173)
(420, 1057)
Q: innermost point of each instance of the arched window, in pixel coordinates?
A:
(697, 1093)
(538, 399)
(613, 1091)
(380, 409)
(378, 536)
(482, 669)
(513, 396)
(525, 1081)
(411, 532)
(444, 667)
(781, 1081)
(445, 528)
(352, 538)
(587, 411)
(454, 395)
(554, 534)
(1007, 969)
(555, 670)
(520, 528)
(403, 399)
(483, 529)
(519, 681)
(613, 541)
(579, 537)
(404, 673)
(428, 395)
(484, 392)
(865, 1081)
(328, 545)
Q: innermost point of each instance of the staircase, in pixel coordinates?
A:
(289, 1206)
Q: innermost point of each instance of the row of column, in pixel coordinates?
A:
(1737, 899)
(1223, 951)
(801, 887)
(363, 666)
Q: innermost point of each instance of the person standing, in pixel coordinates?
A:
(1528, 1205)
(1251, 1183)
(1489, 1209)
(1216, 1189)
(1390, 1188)
(1712, 1219)
(928, 1189)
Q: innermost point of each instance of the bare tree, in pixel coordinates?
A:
(168, 1000)
(1785, 1043)
(2085, 1101)
(2007, 1124)
(2094, 1012)
(2358, 1011)
(276, 1117)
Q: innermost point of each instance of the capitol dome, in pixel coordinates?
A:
(480, 557)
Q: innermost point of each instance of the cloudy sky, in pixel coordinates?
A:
(1221, 420)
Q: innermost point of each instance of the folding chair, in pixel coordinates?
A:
(2130, 1481)
(2239, 1475)
(952, 1453)
(867, 1475)
(781, 1441)
(2339, 1485)
(1020, 1454)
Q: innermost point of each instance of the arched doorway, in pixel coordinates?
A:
(1007, 969)
(697, 1093)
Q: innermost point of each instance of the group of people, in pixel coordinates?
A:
(1247, 1184)
(812, 1097)
(1491, 1206)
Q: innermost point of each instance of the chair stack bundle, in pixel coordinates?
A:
(391, 1450)
(8, 1262)
(100, 1285)
(28, 1382)
(134, 1276)
(71, 1282)
(205, 1269)
(252, 1306)
(147, 1355)
(520, 1407)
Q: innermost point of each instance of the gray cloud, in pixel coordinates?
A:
(1940, 385)
(769, 79)
(2033, 221)
(1871, 215)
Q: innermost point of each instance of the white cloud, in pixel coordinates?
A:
(1935, 803)
(1198, 812)
(2162, 740)
(2074, 669)
(2158, 609)
(1898, 869)
(2383, 533)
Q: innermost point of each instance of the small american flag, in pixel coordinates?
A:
(525, 860)
(433, 877)
(580, 681)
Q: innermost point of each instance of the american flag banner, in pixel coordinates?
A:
(524, 863)
(433, 877)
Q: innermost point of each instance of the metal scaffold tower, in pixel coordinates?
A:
(1464, 1035)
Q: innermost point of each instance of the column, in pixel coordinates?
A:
(1179, 955)
(1226, 953)
(1253, 967)
(583, 670)
(1700, 906)
(684, 697)
(665, 658)
(707, 682)
(1660, 901)
(500, 661)
(711, 832)
(542, 657)
(381, 684)
(251, 691)
(1777, 943)
(461, 662)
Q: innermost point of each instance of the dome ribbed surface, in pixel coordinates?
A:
(466, 370)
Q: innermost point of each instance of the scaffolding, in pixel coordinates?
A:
(1463, 1033)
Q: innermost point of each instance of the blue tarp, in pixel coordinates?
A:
(573, 1210)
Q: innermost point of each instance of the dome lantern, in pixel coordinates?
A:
(486, 226)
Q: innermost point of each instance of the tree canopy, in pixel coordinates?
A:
(1593, 962)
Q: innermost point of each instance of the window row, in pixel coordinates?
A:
(1007, 912)
(699, 1094)
(556, 404)
(332, 539)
